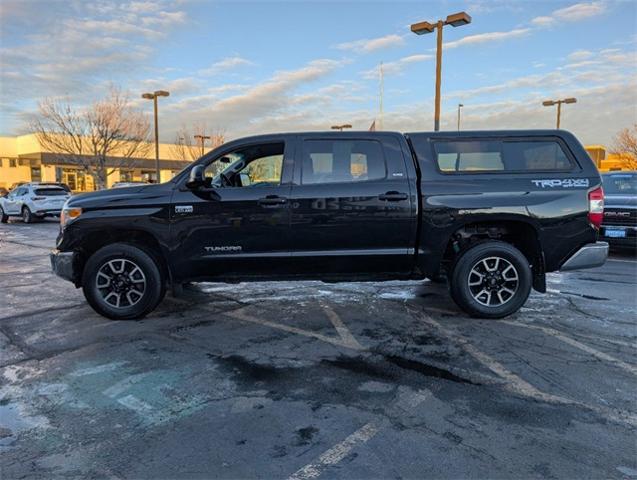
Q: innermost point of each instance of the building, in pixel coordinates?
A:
(22, 159)
(607, 162)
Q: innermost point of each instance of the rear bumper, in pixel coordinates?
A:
(62, 264)
(589, 256)
(47, 212)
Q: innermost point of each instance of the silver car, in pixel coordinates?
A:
(33, 201)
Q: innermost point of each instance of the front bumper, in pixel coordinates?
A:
(62, 264)
(590, 255)
(43, 212)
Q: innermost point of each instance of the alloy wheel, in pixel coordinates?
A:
(121, 283)
(493, 281)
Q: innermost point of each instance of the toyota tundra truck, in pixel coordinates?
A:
(490, 211)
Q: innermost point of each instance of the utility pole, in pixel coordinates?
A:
(153, 96)
(382, 88)
(455, 20)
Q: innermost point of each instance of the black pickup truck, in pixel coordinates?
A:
(493, 211)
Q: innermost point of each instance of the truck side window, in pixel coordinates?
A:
(468, 156)
(535, 156)
(251, 166)
(338, 161)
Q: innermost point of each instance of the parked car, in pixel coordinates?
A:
(33, 201)
(495, 210)
(619, 227)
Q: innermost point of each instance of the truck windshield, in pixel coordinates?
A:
(620, 183)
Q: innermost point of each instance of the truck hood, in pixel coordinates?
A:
(125, 196)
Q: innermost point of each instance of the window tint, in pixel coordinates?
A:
(620, 183)
(252, 166)
(337, 161)
(494, 155)
(535, 156)
(262, 171)
(50, 192)
(469, 156)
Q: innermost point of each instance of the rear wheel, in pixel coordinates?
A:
(491, 280)
(4, 218)
(122, 282)
(27, 216)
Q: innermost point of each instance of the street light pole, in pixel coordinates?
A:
(153, 96)
(460, 105)
(455, 20)
(202, 139)
(341, 127)
(550, 103)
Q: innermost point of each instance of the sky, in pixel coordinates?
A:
(245, 68)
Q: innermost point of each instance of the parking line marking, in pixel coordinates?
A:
(106, 367)
(137, 405)
(336, 453)
(123, 385)
(522, 387)
(342, 330)
(238, 314)
(596, 353)
(408, 400)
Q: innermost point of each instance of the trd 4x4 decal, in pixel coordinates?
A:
(563, 183)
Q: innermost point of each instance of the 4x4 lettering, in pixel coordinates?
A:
(565, 183)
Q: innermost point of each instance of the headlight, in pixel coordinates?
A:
(69, 214)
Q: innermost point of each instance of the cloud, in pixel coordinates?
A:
(572, 13)
(370, 45)
(397, 67)
(225, 64)
(487, 37)
(579, 55)
(241, 112)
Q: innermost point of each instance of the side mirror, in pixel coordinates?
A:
(196, 178)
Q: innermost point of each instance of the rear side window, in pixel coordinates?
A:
(535, 156)
(50, 192)
(501, 156)
(469, 156)
(338, 161)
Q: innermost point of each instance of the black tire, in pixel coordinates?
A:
(4, 218)
(116, 298)
(27, 216)
(489, 295)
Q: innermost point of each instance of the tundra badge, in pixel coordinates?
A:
(183, 208)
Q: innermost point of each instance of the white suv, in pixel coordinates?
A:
(33, 200)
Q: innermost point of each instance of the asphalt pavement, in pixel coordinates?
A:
(311, 380)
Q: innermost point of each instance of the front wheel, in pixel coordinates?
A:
(122, 282)
(27, 216)
(491, 280)
(4, 218)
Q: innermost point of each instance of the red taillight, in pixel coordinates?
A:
(596, 207)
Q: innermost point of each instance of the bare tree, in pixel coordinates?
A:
(191, 143)
(106, 136)
(625, 145)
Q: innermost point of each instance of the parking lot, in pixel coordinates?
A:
(306, 380)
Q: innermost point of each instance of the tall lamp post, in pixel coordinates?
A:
(455, 20)
(153, 96)
(202, 140)
(550, 103)
(341, 127)
(460, 105)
